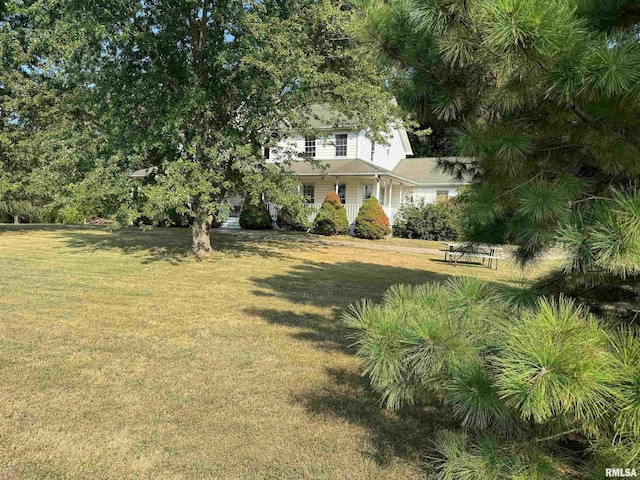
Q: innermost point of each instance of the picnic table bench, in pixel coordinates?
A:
(486, 252)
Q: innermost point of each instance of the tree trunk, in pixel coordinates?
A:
(16, 219)
(201, 246)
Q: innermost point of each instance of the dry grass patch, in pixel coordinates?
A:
(123, 357)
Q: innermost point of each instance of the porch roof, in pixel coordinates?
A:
(411, 171)
(425, 171)
(344, 168)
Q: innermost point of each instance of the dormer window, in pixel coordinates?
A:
(341, 145)
(310, 146)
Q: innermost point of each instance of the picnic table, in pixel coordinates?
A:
(486, 252)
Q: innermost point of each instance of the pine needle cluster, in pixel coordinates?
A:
(544, 97)
(524, 383)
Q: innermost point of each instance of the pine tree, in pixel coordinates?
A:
(523, 383)
(544, 98)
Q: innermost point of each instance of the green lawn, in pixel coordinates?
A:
(123, 357)
(393, 241)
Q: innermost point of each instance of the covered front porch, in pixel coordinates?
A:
(353, 191)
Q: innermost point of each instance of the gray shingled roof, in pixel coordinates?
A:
(421, 171)
(335, 167)
(424, 171)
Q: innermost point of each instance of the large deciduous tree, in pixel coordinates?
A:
(199, 87)
(544, 97)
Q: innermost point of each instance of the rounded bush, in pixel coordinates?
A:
(294, 217)
(372, 223)
(332, 217)
(255, 216)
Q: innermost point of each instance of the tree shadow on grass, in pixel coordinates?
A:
(165, 245)
(325, 332)
(347, 395)
(172, 245)
(407, 433)
(337, 285)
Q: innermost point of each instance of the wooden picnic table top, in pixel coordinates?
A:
(472, 245)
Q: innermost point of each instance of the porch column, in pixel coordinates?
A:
(390, 193)
(401, 197)
(337, 182)
(298, 189)
(377, 188)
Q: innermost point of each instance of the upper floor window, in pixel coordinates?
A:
(310, 146)
(309, 191)
(341, 145)
(373, 150)
(266, 153)
(442, 195)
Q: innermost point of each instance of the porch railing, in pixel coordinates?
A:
(351, 208)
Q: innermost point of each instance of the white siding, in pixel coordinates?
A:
(385, 156)
(358, 146)
(428, 194)
(325, 146)
(323, 187)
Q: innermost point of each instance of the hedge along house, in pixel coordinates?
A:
(357, 168)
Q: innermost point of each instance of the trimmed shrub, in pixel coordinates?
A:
(255, 216)
(429, 221)
(294, 216)
(372, 223)
(332, 217)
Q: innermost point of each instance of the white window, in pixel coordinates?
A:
(341, 145)
(310, 146)
(342, 193)
(309, 191)
(368, 191)
(442, 195)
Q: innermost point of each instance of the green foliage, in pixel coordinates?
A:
(372, 223)
(17, 211)
(295, 216)
(520, 380)
(203, 110)
(543, 97)
(429, 221)
(605, 236)
(331, 219)
(39, 132)
(255, 216)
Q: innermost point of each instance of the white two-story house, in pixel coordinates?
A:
(357, 168)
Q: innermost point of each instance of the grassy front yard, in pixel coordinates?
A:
(123, 357)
